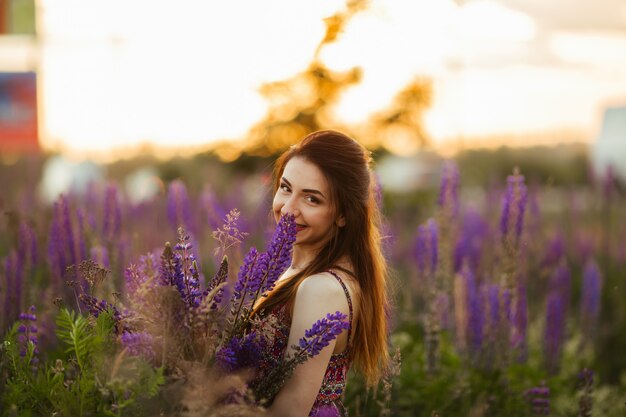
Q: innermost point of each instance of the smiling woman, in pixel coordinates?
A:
(325, 182)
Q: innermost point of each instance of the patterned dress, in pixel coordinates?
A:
(328, 401)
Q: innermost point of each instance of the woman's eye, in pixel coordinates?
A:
(284, 187)
(312, 199)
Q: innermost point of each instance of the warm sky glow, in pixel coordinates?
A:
(116, 73)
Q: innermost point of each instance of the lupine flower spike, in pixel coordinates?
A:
(27, 336)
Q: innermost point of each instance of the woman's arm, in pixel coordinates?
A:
(317, 296)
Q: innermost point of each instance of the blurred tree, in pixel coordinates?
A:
(303, 103)
(399, 128)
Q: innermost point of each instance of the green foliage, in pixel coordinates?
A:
(89, 379)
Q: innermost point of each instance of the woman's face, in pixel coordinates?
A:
(304, 192)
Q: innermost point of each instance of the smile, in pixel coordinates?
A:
(300, 227)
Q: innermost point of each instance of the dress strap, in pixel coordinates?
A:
(345, 290)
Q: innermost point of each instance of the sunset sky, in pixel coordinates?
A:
(115, 73)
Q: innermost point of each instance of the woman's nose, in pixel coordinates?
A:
(290, 207)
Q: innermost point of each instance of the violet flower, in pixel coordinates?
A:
(171, 269)
(220, 277)
(554, 252)
(27, 333)
(62, 212)
(585, 385)
(189, 284)
(538, 399)
(97, 307)
(475, 320)
(240, 353)
(279, 251)
(449, 188)
(520, 324)
(513, 207)
(138, 344)
(179, 206)
(323, 332)
(112, 216)
(426, 248)
(246, 274)
(100, 255)
(145, 273)
(591, 296)
(473, 236)
(260, 271)
(213, 209)
(554, 330)
(13, 275)
(27, 245)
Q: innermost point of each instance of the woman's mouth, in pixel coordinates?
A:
(299, 227)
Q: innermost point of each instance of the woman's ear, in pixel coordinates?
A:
(341, 221)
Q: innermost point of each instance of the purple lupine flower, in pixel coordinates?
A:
(67, 234)
(190, 281)
(493, 305)
(81, 244)
(112, 215)
(220, 277)
(179, 206)
(520, 325)
(538, 399)
(323, 332)
(260, 271)
(554, 252)
(27, 333)
(97, 307)
(100, 255)
(138, 344)
(513, 207)
(143, 274)
(561, 280)
(13, 273)
(585, 384)
(506, 307)
(279, 250)
(211, 206)
(170, 269)
(56, 264)
(591, 296)
(556, 308)
(241, 353)
(245, 271)
(449, 188)
(426, 248)
(584, 246)
(554, 332)
(66, 244)
(27, 245)
(472, 239)
(475, 313)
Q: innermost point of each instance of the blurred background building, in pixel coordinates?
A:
(18, 77)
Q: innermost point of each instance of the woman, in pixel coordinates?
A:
(325, 182)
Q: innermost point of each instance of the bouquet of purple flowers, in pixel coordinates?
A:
(205, 338)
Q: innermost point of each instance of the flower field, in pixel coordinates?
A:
(508, 294)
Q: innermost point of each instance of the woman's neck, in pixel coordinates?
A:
(301, 258)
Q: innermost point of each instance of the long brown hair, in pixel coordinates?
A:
(346, 166)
